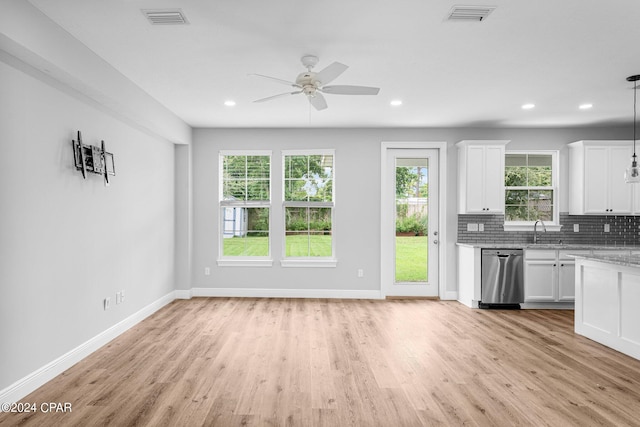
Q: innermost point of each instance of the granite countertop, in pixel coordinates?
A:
(568, 246)
(625, 260)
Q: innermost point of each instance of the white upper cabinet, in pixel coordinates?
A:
(596, 178)
(481, 176)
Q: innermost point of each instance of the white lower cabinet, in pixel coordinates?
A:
(539, 281)
(567, 280)
(549, 275)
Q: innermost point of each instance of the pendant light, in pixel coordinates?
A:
(632, 174)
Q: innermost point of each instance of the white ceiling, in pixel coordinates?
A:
(555, 54)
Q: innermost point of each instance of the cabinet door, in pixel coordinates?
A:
(596, 168)
(494, 179)
(620, 193)
(539, 281)
(475, 180)
(566, 281)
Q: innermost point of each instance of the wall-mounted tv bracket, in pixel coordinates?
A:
(89, 158)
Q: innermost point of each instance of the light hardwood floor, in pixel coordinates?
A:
(291, 362)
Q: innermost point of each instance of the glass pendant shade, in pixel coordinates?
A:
(632, 174)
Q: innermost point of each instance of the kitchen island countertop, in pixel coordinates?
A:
(570, 246)
(624, 260)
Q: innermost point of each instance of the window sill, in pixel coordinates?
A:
(309, 263)
(529, 227)
(245, 262)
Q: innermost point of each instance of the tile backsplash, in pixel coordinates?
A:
(623, 230)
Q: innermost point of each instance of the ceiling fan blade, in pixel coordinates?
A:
(351, 90)
(330, 72)
(284, 82)
(318, 101)
(269, 98)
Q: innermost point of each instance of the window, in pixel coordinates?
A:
(308, 204)
(245, 202)
(530, 187)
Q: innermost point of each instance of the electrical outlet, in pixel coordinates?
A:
(360, 272)
(107, 303)
(576, 228)
(122, 295)
(207, 271)
(118, 298)
(480, 227)
(607, 228)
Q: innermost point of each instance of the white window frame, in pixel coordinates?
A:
(309, 261)
(555, 176)
(243, 261)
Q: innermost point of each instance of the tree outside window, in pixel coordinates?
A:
(529, 187)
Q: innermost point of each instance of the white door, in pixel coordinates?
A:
(411, 234)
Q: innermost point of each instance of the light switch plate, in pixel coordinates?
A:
(607, 228)
(576, 228)
(480, 227)
(472, 227)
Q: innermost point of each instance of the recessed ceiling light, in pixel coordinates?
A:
(230, 103)
(585, 106)
(528, 106)
(396, 102)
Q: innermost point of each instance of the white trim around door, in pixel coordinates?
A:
(387, 269)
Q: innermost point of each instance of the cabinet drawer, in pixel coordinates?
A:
(540, 254)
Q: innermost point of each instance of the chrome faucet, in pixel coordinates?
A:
(535, 230)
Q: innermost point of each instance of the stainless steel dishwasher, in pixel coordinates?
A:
(502, 284)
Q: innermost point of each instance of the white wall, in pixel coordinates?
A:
(67, 243)
(357, 219)
(356, 226)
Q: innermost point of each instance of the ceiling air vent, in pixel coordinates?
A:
(165, 16)
(470, 13)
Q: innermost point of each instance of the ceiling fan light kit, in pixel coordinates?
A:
(312, 84)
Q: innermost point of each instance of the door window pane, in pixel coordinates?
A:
(412, 192)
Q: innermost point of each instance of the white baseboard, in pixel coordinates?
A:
(450, 295)
(548, 305)
(285, 293)
(26, 385)
(183, 293)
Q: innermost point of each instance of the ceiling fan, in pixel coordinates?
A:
(312, 84)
